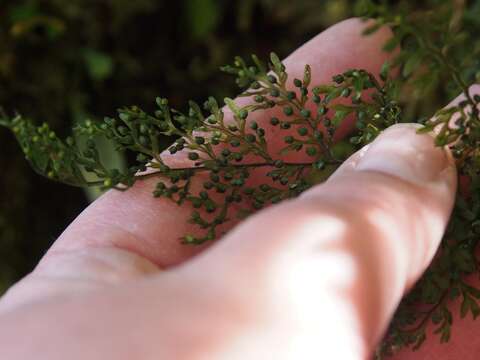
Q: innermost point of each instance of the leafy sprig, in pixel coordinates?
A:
(223, 144)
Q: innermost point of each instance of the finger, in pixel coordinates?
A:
(138, 223)
(463, 343)
(327, 270)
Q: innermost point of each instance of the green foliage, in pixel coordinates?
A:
(435, 59)
(202, 132)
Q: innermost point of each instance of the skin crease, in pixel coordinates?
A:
(317, 277)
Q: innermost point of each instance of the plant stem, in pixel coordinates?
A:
(252, 165)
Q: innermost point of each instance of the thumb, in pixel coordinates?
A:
(326, 271)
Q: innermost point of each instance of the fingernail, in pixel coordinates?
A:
(402, 152)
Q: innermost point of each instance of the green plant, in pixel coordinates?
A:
(438, 55)
(217, 146)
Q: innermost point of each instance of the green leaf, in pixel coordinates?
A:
(385, 70)
(420, 340)
(307, 76)
(442, 281)
(260, 65)
(342, 150)
(231, 105)
(323, 89)
(475, 309)
(371, 29)
(23, 12)
(339, 117)
(391, 44)
(100, 66)
(203, 16)
(463, 259)
(112, 160)
(277, 63)
(4, 122)
(465, 306)
(39, 160)
(333, 94)
(318, 176)
(413, 63)
(445, 335)
(425, 129)
(366, 8)
(473, 291)
(275, 59)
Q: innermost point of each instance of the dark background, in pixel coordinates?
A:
(64, 61)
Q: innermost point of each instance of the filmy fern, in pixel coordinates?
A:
(224, 146)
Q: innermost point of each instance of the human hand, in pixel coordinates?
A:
(315, 277)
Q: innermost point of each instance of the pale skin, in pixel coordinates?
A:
(318, 277)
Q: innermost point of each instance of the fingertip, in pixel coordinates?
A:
(402, 152)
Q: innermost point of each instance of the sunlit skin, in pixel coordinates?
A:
(318, 277)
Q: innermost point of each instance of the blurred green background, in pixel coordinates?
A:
(64, 61)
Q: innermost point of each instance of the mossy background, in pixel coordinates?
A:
(64, 61)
